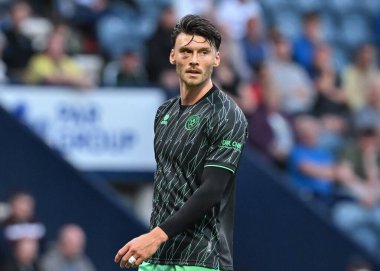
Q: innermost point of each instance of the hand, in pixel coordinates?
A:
(141, 248)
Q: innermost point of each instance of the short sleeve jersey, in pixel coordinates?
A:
(211, 132)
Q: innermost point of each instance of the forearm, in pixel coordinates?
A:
(318, 171)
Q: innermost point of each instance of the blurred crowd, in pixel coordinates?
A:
(314, 118)
(23, 244)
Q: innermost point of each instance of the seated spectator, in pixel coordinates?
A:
(270, 130)
(330, 104)
(225, 75)
(358, 75)
(312, 169)
(69, 253)
(290, 80)
(251, 93)
(83, 16)
(21, 223)
(126, 71)
(18, 49)
(360, 175)
(369, 114)
(24, 257)
(55, 67)
(304, 46)
(159, 47)
(254, 45)
(160, 71)
(3, 68)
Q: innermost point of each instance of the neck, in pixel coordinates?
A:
(191, 95)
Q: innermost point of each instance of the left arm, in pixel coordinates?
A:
(214, 181)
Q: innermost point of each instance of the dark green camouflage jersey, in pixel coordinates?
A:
(211, 132)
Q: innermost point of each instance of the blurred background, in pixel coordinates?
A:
(80, 81)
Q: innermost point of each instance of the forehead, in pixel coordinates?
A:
(193, 41)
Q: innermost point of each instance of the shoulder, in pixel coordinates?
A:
(165, 107)
(224, 108)
(167, 104)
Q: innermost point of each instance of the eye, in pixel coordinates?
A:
(185, 51)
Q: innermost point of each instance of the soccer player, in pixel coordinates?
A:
(198, 142)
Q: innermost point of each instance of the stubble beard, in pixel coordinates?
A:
(195, 83)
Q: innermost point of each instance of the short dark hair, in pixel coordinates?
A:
(196, 25)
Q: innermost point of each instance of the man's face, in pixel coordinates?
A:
(195, 59)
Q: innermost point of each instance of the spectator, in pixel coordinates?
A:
(83, 15)
(270, 130)
(304, 46)
(54, 67)
(18, 49)
(369, 114)
(358, 75)
(159, 47)
(312, 168)
(331, 99)
(69, 253)
(3, 68)
(330, 105)
(24, 258)
(160, 71)
(290, 80)
(123, 25)
(360, 175)
(254, 45)
(233, 15)
(21, 223)
(127, 71)
(251, 93)
(225, 76)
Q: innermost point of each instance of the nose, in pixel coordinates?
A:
(194, 59)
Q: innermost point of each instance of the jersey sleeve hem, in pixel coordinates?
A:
(220, 165)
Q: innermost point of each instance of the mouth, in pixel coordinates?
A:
(193, 71)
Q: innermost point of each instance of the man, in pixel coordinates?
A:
(199, 137)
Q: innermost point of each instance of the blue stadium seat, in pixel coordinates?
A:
(329, 27)
(342, 6)
(355, 28)
(288, 22)
(371, 6)
(274, 4)
(307, 5)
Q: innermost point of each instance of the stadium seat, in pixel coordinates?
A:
(274, 4)
(329, 27)
(289, 23)
(307, 5)
(354, 29)
(342, 6)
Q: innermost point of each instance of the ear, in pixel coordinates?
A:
(171, 57)
(217, 59)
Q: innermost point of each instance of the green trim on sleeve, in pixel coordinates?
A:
(221, 167)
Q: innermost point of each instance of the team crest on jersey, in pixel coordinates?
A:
(192, 122)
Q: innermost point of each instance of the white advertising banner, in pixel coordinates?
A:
(101, 130)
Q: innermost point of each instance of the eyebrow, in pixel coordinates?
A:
(200, 49)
